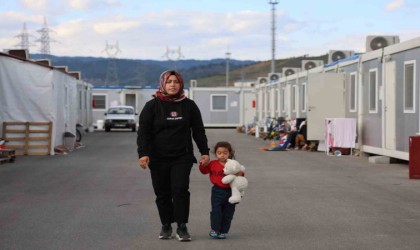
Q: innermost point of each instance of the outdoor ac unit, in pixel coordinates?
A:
(310, 64)
(335, 55)
(262, 80)
(287, 71)
(274, 77)
(379, 42)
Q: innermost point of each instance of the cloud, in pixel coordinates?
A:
(397, 4)
(93, 4)
(79, 4)
(34, 5)
(116, 26)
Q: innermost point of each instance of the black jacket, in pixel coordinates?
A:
(166, 129)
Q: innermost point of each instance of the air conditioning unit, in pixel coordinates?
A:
(310, 64)
(262, 80)
(335, 55)
(379, 42)
(287, 71)
(274, 77)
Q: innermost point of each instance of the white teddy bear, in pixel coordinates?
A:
(237, 183)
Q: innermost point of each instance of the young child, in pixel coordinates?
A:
(283, 143)
(222, 211)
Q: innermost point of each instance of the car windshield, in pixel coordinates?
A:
(121, 111)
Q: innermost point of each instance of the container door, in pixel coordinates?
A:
(326, 99)
(390, 129)
(130, 100)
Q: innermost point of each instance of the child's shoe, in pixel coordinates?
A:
(221, 236)
(213, 234)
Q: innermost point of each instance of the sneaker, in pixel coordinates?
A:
(182, 233)
(166, 232)
(221, 236)
(213, 234)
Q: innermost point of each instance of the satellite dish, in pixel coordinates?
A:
(309, 65)
(338, 55)
(274, 77)
(378, 43)
(289, 72)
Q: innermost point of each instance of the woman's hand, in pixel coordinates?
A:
(144, 162)
(204, 160)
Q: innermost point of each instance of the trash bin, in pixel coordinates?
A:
(414, 157)
(100, 124)
(69, 141)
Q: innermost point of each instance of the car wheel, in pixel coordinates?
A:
(107, 129)
(133, 129)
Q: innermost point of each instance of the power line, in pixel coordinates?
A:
(45, 39)
(111, 73)
(173, 55)
(24, 39)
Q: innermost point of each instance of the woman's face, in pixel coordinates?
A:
(172, 85)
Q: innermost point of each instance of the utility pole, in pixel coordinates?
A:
(273, 35)
(227, 68)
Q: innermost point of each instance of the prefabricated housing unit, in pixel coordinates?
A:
(225, 106)
(379, 88)
(220, 107)
(32, 91)
(106, 97)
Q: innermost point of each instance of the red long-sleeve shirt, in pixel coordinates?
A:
(215, 169)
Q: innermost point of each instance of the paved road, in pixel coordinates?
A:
(97, 198)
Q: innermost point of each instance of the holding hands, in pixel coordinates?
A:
(204, 160)
(144, 162)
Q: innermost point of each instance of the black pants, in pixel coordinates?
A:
(222, 211)
(171, 181)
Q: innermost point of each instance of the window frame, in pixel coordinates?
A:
(294, 98)
(304, 96)
(375, 109)
(353, 96)
(211, 102)
(283, 101)
(413, 109)
(105, 101)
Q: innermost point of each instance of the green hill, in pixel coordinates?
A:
(208, 73)
(253, 71)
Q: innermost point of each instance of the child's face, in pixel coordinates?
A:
(222, 154)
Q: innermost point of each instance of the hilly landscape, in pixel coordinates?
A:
(208, 73)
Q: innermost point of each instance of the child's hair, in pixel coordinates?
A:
(225, 144)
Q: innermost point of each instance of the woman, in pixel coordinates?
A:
(167, 125)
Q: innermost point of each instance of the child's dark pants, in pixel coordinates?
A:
(222, 211)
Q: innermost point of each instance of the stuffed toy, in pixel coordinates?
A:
(237, 183)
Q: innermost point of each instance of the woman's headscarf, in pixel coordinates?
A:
(161, 93)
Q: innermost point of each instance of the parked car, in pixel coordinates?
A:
(120, 117)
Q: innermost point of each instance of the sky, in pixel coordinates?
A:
(205, 29)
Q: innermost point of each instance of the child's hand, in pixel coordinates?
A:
(240, 174)
(204, 160)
